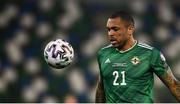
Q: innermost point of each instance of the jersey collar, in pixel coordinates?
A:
(128, 49)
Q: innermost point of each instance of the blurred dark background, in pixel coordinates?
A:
(28, 25)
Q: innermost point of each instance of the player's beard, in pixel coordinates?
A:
(121, 45)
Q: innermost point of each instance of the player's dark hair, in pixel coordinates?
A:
(124, 16)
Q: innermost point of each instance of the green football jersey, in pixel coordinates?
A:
(128, 75)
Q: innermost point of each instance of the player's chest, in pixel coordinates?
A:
(133, 65)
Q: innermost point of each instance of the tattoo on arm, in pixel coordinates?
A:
(172, 83)
(100, 95)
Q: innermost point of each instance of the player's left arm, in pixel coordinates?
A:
(171, 82)
(163, 71)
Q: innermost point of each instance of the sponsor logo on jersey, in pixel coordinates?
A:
(107, 61)
(162, 57)
(119, 65)
(135, 60)
(164, 61)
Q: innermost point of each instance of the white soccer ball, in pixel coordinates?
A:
(58, 53)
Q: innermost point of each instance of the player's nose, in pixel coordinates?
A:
(111, 33)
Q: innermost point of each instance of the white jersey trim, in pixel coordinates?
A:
(107, 46)
(128, 49)
(145, 46)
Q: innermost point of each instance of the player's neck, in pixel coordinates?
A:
(129, 45)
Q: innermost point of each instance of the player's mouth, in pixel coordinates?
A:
(113, 41)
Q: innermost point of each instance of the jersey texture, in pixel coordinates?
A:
(128, 76)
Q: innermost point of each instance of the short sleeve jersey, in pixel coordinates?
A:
(128, 76)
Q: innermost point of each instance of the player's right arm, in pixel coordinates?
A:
(100, 95)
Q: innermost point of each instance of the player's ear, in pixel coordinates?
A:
(130, 29)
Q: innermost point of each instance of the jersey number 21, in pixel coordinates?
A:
(116, 76)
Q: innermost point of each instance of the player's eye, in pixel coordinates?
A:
(108, 29)
(115, 29)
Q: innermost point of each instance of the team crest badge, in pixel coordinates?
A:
(135, 60)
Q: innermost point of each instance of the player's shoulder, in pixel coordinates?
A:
(105, 49)
(145, 46)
